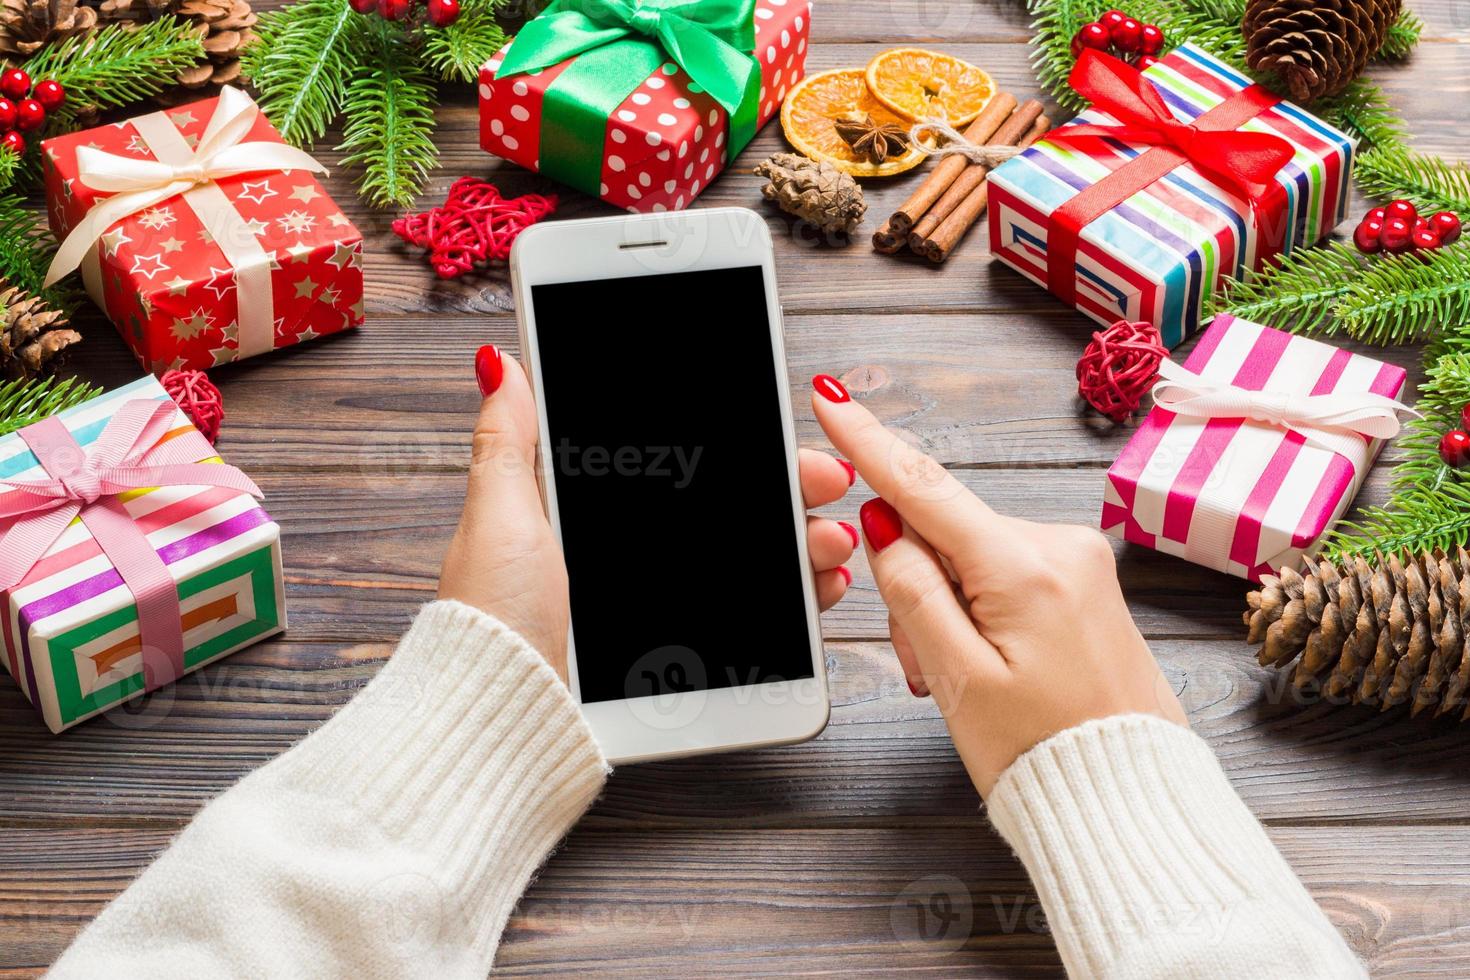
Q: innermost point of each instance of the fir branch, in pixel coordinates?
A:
(456, 52)
(1418, 519)
(24, 403)
(1404, 298)
(117, 66)
(1402, 36)
(1301, 293)
(26, 249)
(302, 62)
(1431, 183)
(1362, 110)
(390, 121)
(11, 166)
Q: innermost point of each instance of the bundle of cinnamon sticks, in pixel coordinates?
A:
(938, 214)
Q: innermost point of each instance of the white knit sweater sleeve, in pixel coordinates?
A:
(392, 842)
(1149, 866)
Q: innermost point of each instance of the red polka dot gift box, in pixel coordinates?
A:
(641, 102)
(202, 235)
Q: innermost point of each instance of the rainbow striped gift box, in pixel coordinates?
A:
(1238, 495)
(1159, 254)
(71, 626)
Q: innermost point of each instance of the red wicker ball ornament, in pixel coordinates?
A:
(1118, 366)
(199, 398)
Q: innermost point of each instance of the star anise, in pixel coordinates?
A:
(870, 138)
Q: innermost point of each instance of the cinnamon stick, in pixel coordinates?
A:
(973, 175)
(884, 239)
(937, 248)
(944, 173)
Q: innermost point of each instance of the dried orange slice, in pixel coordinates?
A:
(919, 84)
(810, 113)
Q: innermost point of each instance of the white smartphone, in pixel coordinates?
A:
(668, 464)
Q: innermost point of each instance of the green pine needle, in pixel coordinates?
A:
(456, 52)
(1400, 299)
(1301, 293)
(1432, 184)
(390, 121)
(116, 66)
(1402, 36)
(23, 403)
(1362, 110)
(26, 248)
(302, 63)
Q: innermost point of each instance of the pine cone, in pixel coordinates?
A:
(1316, 46)
(32, 335)
(27, 25)
(1387, 633)
(813, 191)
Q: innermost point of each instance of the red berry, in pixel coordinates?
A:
(1094, 36)
(14, 142)
(1144, 62)
(29, 115)
(1425, 239)
(1454, 447)
(1151, 40)
(7, 114)
(1401, 209)
(363, 6)
(1397, 234)
(1377, 214)
(15, 83)
(50, 94)
(442, 13)
(1465, 417)
(1112, 19)
(1447, 223)
(1128, 36)
(1367, 236)
(395, 9)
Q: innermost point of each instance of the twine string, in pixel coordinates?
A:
(987, 155)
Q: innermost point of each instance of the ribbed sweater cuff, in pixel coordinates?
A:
(466, 745)
(1146, 860)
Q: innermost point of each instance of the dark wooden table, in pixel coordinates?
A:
(804, 859)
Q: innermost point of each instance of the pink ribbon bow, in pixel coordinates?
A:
(134, 452)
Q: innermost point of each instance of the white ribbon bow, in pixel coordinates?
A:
(1323, 420)
(140, 184)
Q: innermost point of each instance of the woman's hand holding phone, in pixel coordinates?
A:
(504, 558)
(1018, 630)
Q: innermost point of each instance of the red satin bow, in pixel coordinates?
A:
(1246, 161)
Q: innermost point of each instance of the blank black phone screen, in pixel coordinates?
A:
(672, 482)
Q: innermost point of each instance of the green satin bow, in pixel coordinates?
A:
(619, 44)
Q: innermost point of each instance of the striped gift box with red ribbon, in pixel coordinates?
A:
(1159, 255)
(1238, 495)
(71, 636)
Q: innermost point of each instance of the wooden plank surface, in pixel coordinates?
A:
(803, 859)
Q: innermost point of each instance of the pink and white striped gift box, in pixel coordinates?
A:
(1238, 495)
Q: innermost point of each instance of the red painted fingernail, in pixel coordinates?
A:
(846, 575)
(830, 388)
(489, 369)
(851, 471)
(881, 524)
(915, 690)
(851, 531)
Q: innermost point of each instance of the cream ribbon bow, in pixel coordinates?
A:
(1333, 422)
(140, 184)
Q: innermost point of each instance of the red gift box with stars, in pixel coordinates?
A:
(665, 141)
(161, 274)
